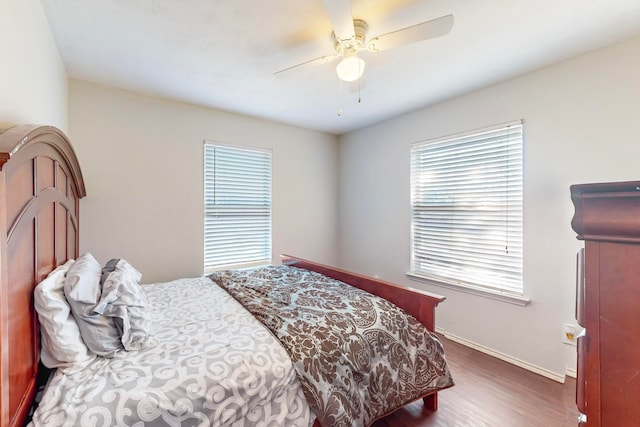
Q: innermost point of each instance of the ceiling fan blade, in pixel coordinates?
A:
(317, 61)
(339, 12)
(424, 31)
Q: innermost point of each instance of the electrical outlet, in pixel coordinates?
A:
(570, 333)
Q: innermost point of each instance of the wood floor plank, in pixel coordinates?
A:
(491, 393)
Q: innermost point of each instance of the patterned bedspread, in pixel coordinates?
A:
(214, 365)
(358, 356)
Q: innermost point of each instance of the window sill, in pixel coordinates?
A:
(520, 300)
(245, 265)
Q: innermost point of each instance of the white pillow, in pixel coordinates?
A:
(62, 345)
(82, 289)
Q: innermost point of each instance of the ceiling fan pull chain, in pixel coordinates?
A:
(340, 99)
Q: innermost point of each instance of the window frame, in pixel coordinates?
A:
(434, 211)
(256, 185)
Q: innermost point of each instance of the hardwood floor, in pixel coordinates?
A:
(491, 392)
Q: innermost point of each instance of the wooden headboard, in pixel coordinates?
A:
(40, 188)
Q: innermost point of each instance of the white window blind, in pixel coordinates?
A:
(237, 194)
(466, 197)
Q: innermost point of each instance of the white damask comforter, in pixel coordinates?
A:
(214, 365)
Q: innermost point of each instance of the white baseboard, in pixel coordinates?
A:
(521, 363)
(572, 373)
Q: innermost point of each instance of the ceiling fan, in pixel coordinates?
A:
(350, 37)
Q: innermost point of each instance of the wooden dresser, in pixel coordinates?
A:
(607, 218)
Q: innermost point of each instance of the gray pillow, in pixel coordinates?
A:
(82, 289)
(108, 268)
(124, 301)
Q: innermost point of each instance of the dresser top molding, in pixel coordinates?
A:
(607, 211)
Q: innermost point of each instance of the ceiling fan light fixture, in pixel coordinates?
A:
(350, 68)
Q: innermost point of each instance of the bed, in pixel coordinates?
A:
(41, 185)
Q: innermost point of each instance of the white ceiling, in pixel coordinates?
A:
(223, 53)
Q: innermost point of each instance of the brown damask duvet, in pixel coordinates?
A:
(358, 357)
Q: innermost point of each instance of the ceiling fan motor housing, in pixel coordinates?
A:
(353, 45)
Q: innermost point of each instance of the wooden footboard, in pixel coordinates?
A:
(420, 304)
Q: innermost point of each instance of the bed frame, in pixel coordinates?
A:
(41, 185)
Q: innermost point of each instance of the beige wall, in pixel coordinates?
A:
(33, 83)
(581, 125)
(142, 159)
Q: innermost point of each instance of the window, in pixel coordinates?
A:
(237, 211)
(466, 208)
